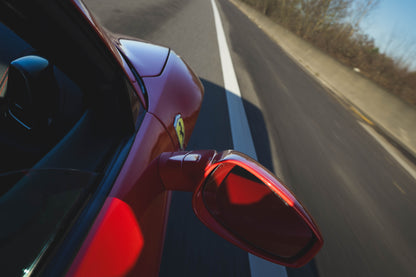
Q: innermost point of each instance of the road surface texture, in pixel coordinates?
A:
(362, 199)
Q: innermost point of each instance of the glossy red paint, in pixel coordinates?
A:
(148, 59)
(242, 191)
(173, 89)
(190, 171)
(139, 186)
(183, 171)
(227, 160)
(176, 91)
(208, 160)
(249, 210)
(114, 243)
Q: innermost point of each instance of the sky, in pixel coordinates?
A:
(392, 24)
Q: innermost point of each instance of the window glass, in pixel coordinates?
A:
(39, 105)
(11, 47)
(34, 204)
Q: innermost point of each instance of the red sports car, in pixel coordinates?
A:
(94, 128)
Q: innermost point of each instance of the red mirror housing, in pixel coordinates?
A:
(244, 203)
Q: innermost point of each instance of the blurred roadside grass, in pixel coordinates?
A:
(333, 26)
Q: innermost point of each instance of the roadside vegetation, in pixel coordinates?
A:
(334, 27)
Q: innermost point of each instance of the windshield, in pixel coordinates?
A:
(34, 207)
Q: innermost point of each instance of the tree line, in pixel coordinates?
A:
(334, 27)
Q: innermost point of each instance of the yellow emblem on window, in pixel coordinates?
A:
(180, 130)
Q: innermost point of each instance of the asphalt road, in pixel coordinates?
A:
(362, 199)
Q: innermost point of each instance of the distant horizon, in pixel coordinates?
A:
(392, 25)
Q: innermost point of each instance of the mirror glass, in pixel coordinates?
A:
(253, 213)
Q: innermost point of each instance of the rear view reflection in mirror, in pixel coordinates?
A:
(243, 202)
(249, 209)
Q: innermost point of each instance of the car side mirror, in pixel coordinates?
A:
(244, 203)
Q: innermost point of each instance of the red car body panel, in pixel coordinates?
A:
(117, 230)
(148, 200)
(148, 59)
(172, 89)
(187, 171)
(229, 157)
(176, 91)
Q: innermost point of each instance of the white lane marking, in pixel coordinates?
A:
(240, 132)
(399, 157)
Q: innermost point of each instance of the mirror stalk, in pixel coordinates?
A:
(244, 203)
(183, 171)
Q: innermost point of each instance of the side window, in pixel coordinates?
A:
(137, 109)
(57, 142)
(38, 103)
(11, 47)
